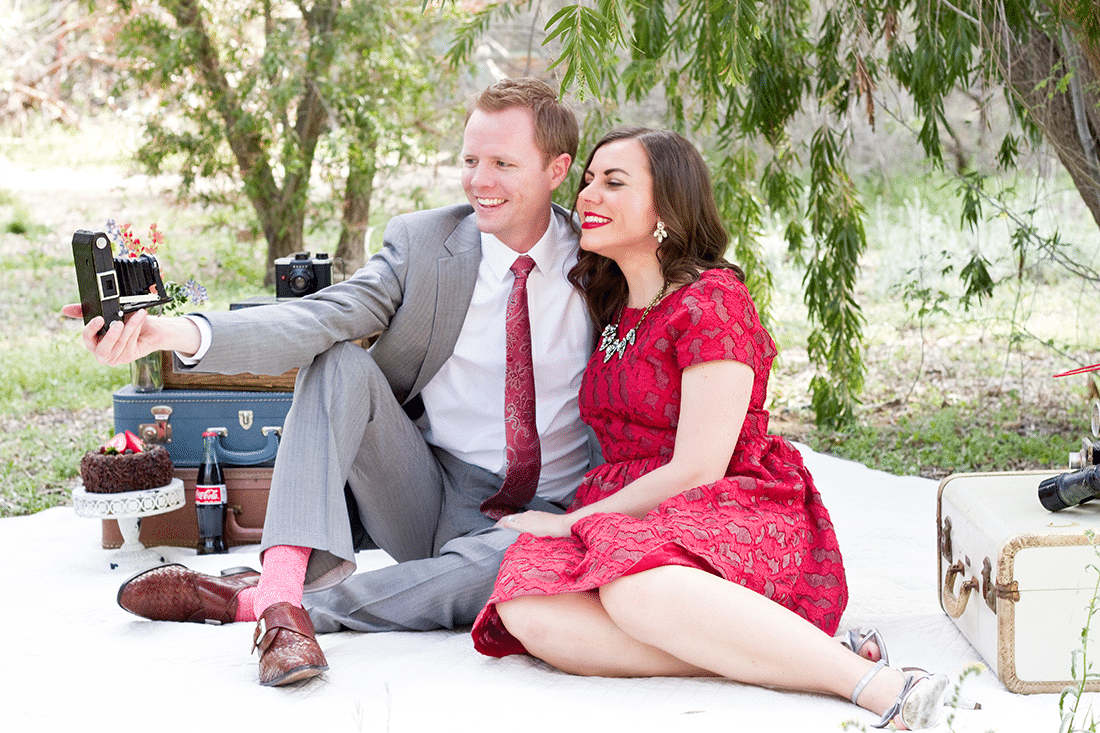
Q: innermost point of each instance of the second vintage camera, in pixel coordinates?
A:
(114, 286)
(302, 275)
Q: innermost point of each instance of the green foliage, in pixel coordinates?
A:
(744, 216)
(472, 25)
(837, 228)
(739, 73)
(975, 275)
(1080, 667)
(266, 97)
(970, 190)
(575, 25)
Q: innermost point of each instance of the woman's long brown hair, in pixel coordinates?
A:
(684, 200)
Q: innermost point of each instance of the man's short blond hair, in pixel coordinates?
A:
(556, 130)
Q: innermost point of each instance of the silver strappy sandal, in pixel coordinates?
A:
(920, 703)
(856, 639)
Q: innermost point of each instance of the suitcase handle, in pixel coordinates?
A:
(238, 534)
(248, 457)
(953, 604)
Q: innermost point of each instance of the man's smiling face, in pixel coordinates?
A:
(506, 176)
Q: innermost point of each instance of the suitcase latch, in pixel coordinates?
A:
(159, 431)
(945, 538)
(991, 591)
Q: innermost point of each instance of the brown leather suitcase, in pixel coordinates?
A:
(247, 487)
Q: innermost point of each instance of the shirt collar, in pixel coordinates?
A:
(547, 253)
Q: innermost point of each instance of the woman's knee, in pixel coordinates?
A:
(529, 620)
(637, 602)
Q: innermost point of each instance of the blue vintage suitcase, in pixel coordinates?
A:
(249, 423)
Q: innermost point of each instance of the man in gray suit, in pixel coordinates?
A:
(414, 427)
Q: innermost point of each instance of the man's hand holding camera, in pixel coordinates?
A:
(139, 334)
(114, 293)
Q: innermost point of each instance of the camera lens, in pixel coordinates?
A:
(1069, 489)
(300, 280)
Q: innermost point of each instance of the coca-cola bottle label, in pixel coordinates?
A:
(206, 494)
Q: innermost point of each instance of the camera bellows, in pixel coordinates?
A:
(139, 281)
(113, 286)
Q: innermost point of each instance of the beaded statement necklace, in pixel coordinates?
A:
(611, 344)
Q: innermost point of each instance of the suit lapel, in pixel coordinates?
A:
(456, 275)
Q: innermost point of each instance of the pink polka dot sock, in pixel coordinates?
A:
(282, 579)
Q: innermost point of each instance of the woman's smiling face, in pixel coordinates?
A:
(616, 205)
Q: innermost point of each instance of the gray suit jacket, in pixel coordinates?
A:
(413, 294)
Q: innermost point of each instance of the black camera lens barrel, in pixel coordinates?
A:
(1070, 489)
(300, 280)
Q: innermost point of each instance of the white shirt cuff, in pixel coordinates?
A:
(205, 336)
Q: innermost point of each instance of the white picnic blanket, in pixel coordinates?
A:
(73, 661)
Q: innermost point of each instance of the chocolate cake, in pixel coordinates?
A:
(111, 473)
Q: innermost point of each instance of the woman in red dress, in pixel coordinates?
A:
(701, 547)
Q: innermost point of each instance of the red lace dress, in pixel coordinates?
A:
(762, 526)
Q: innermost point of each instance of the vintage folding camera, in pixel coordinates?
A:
(301, 275)
(114, 286)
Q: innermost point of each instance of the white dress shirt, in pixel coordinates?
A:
(464, 401)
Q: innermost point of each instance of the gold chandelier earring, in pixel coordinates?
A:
(660, 232)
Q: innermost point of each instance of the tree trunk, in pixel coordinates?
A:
(283, 232)
(356, 216)
(280, 209)
(309, 124)
(1069, 116)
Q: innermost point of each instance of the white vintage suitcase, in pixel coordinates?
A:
(1016, 578)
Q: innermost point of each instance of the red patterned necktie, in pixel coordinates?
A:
(523, 455)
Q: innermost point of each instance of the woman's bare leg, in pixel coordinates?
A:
(735, 632)
(682, 622)
(572, 632)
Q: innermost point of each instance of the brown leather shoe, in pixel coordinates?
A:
(288, 647)
(176, 593)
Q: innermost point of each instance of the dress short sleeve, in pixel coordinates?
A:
(717, 321)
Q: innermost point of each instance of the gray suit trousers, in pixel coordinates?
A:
(418, 503)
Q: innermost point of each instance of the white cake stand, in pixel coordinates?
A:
(128, 507)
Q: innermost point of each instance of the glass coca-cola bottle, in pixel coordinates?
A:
(210, 499)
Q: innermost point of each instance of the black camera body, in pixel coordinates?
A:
(302, 275)
(114, 286)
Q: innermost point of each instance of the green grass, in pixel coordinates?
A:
(55, 400)
(955, 439)
(54, 404)
(41, 464)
